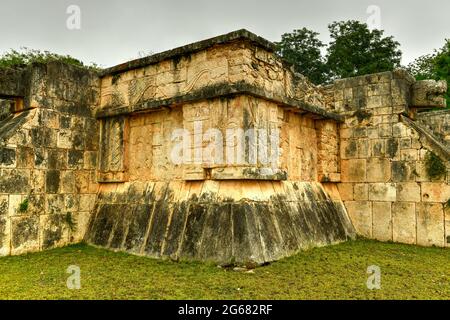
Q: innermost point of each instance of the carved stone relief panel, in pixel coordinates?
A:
(113, 155)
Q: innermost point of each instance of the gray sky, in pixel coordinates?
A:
(115, 31)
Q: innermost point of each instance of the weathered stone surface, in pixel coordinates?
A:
(408, 191)
(222, 229)
(361, 191)
(429, 93)
(346, 191)
(378, 170)
(382, 221)
(40, 152)
(404, 222)
(438, 122)
(360, 213)
(353, 170)
(382, 192)
(435, 192)
(430, 224)
(346, 146)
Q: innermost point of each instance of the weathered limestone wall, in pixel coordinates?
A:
(385, 187)
(438, 123)
(243, 222)
(47, 160)
(350, 147)
(237, 211)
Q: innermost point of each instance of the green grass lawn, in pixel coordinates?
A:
(333, 272)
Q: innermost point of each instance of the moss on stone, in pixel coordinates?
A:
(435, 167)
(23, 206)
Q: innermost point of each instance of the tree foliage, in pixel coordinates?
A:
(353, 50)
(302, 49)
(433, 66)
(26, 56)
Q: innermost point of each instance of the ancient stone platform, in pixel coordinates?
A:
(91, 156)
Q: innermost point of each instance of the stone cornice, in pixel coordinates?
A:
(216, 91)
(188, 49)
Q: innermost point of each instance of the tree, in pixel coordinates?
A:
(423, 67)
(434, 66)
(356, 50)
(301, 48)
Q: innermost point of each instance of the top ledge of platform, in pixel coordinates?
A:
(189, 48)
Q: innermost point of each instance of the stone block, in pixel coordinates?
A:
(385, 130)
(409, 155)
(14, 202)
(382, 221)
(430, 224)
(52, 181)
(361, 191)
(25, 157)
(4, 208)
(363, 148)
(346, 191)
(54, 203)
(71, 202)
(372, 132)
(378, 170)
(87, 202)
(378, 147)
(404, 222)
(403, 171)
(360, 213)
(64, 140)
(67, 181)
(349, 148)
(392, 148)
(81, 219)
(408, 191)
(382, 192)
(399, 130)
(24, 234)
(405, 143)
(353, 170)
(374, 102)
(53, 231)
(435, 192)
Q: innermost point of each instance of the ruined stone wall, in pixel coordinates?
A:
(437, 122)
(385, 186)
(48, 160)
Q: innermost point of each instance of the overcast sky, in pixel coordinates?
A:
(114, 31)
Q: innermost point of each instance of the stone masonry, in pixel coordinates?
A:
(89, 156)
(48, 153)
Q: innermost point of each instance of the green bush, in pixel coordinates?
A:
(26, 56)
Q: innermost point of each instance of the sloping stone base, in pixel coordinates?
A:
(213, 221)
